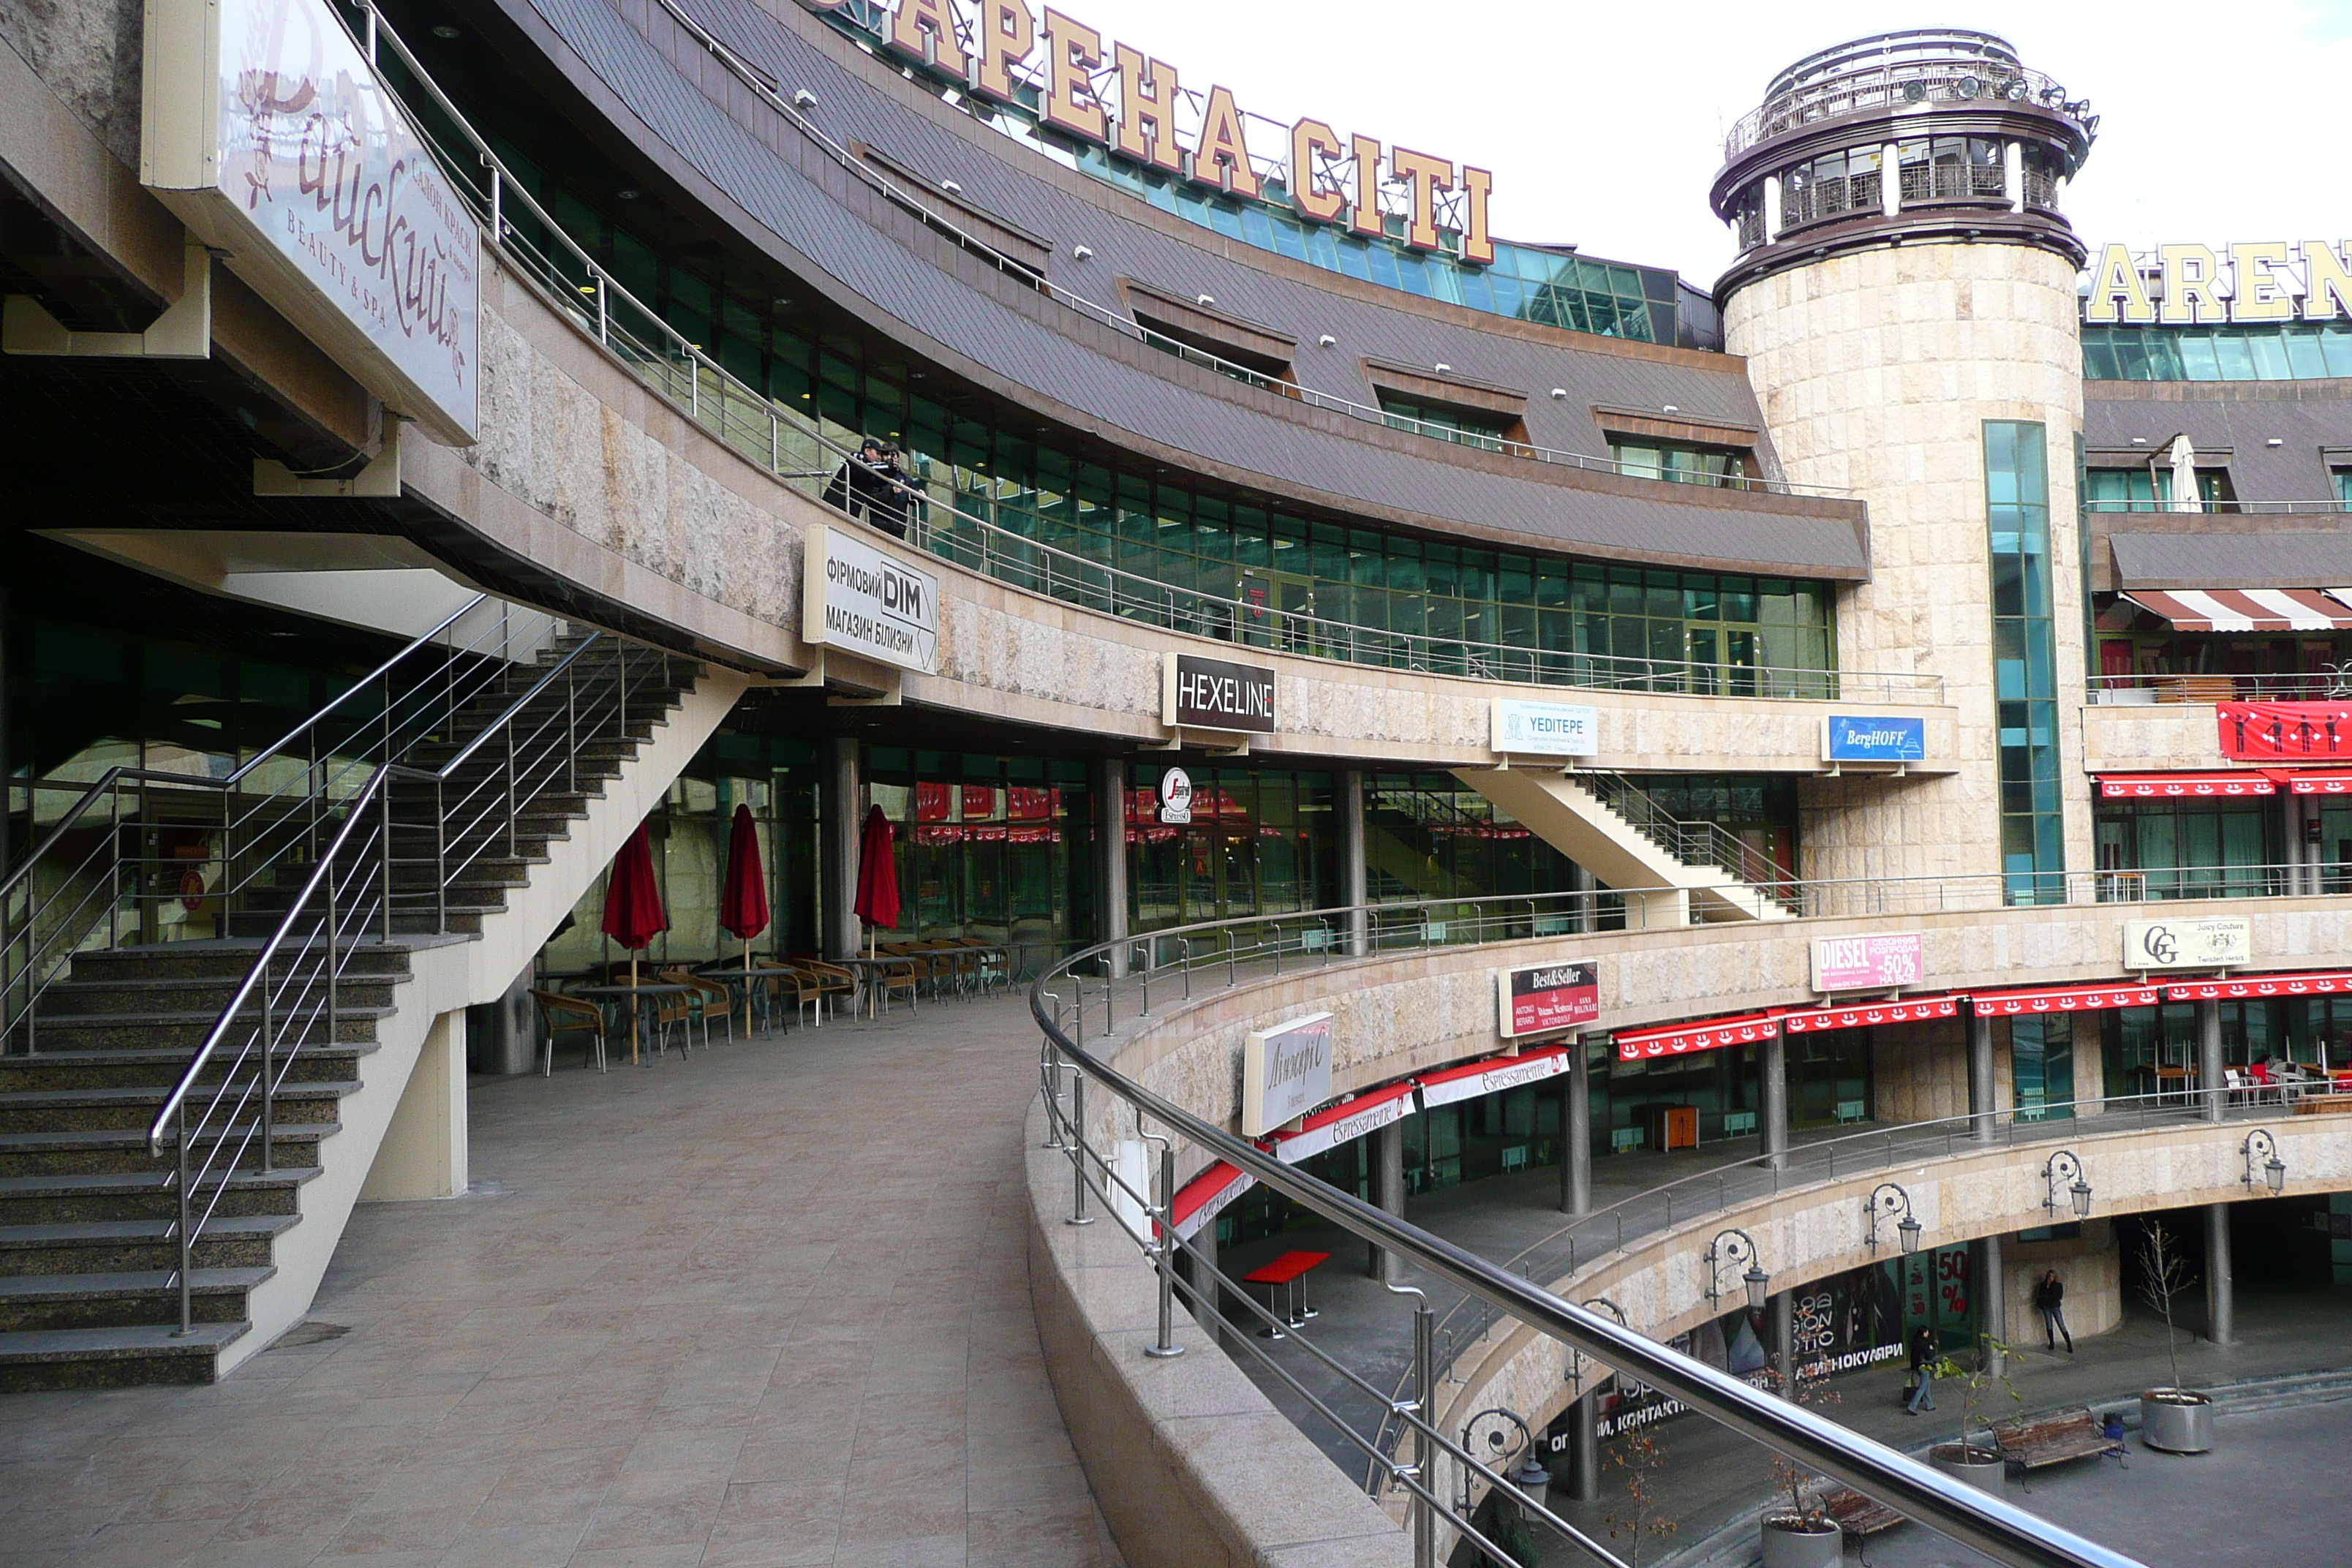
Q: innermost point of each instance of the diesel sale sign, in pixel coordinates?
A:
(1544, 996)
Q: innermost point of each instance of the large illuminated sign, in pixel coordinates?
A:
(2252, 281)
(1134, 106)
(266, 131)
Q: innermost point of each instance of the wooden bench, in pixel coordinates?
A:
(2034, 1441)
(2323, 1105)
(1857, 1515)
(2195, 689)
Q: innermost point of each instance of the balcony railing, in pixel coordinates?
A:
(1896, 85)
(2149, 690)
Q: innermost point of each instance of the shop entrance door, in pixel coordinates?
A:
(1218, 876)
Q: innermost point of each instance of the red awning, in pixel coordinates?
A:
(2246, 609)
(1337, 1124)
(1906, 1010)
(1713, 1035)
(2063, 999)
(2320, 983)
(2193, 786)
(1203, 1197)
(1491, 1076)
(2318, 781)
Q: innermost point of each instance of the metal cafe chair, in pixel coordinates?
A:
(558, 1014)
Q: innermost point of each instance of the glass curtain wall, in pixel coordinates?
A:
(1260, 842)
(2295, 350)
(2194, 849)
(2017, 499)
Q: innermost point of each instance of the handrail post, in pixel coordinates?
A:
(440, 858)
(268, 1077)
(510, 787)
(333, 969)
(187, 1253)
(1077, 1136)
(1425, 1512)
(1167, 1347)
(383, 801)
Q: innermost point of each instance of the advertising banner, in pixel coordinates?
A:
(1545, 728)
(2292, 731)
(1866, 963)
(1861, 737)
(2224, 942)
(1543, 996)
(861, 600)
(267, 132)
(1286, 1072)
(1212, 694)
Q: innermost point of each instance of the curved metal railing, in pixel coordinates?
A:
(1901, 83)
(2006, 1533)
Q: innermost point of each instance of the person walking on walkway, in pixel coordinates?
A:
(2050, 1301)
(1923, 1371)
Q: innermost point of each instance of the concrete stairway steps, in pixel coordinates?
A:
(87, 999)
(113, 1357)
(113, 1246)
(101, 1067)
(208, 959)
(122, 1299)
(93, 1110)
(89, 1150)
(182, 1032)
(141, 1194)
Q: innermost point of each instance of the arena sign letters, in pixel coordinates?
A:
(266, 131)
(863, 600)
(1136, 108)
(2263, 281)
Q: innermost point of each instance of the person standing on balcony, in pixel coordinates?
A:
(895, 500)
(2050, 1301)
(861, 488)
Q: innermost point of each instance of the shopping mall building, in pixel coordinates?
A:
(1899, 678)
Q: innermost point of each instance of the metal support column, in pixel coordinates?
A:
(1580, 883)
(1982, 1101)
(1992, 1287)
(840, 815)
(1782, 1310)
(1109, 785)
(1387, 1194)
(1354, 875)
(1584, 1447)
(1576, 1130)
(1202, 1253)
(1772, 1063)
(2220, 1289)
(2210, 1078)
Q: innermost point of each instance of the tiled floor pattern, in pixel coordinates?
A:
(766, 1306)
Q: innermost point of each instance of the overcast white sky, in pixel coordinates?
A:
(1604, 122)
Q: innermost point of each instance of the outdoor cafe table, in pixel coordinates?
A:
(644, 1001)
(866, 970)
(1290, 1271)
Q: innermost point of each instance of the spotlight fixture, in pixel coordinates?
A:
(1326, 340)
(1444, 367)
(2272, 1169)
(803, 100)
(1083, 252)
(1560, 392)
(626, 193)
(1669, 408)
(2060, 1167)
(2275, 441)
(1206, 300)
(950, 187)
(444, 31)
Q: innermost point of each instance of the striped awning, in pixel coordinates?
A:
(2249, 609)
(1866, 1014)
(2186, 785)
(1713, 1035)
(2319, 781)
(2319, 982)
(2061, 999)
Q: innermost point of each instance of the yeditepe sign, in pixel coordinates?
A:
(1286, 1072)
(864, 601)
(1544, 729)
(266, 131)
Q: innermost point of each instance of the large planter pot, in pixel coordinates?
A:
(1789, 1543)
(2176, 1420)
(1982, 1468)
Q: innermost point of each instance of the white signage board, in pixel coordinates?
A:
(1175, 797)
(267, 132)
(2220, 942)
(1286, 1072)
(863, 600)
(1545, 728)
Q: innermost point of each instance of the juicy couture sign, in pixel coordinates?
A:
(1120, 98)
(267, 132)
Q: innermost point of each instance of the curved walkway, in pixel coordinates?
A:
(769, 1305)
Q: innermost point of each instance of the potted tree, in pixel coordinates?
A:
(1979, 1464)
(1639, 1458)
(1802, 1534)
(2176, 1419)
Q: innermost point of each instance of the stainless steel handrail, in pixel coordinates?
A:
(2006, 1533)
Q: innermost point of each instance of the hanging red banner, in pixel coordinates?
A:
(1910, 1010)
(2325, 982)
(1713, 1035)
(2063, 999)
(2290, 732)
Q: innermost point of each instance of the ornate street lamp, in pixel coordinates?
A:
(1529, 1476)
(2063, 1165)
(1888, 1199)
(2273, 1168)
(1731, 1249)
(1575, 1357)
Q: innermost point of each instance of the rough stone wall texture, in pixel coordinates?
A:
(2162, 735)
(1876, 372)
(90, 53)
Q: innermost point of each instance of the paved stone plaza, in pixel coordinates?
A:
(769, 1305)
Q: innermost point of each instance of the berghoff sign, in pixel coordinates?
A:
(864, 600)
(2263, 280)
(1866, 738)
(2225, 942)
(1211, 694)
(266, 133)
(1120, 100)
(1286, 1072)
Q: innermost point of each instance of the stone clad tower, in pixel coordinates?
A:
(1904, 298)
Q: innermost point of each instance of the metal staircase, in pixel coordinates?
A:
(166, 1104)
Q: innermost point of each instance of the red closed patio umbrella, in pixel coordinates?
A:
(878, 874)
(633, 909)
(743, 900)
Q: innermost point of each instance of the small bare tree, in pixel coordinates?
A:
(2164, 1276)
(1808, 1385)
(1638, 1456)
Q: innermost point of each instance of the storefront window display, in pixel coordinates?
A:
(1258, 842)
